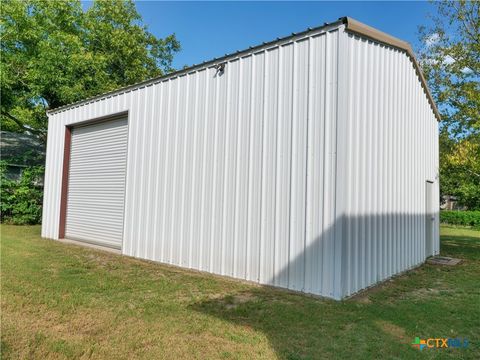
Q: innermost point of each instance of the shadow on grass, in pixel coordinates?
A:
(301, 327)
(297, 327)
(381, 322)
(461, 246)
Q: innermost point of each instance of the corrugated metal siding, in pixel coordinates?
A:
(96, 183)
(248, 173)
(230, 173)
(391, 139)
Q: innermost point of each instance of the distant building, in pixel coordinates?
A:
(450, 202)
(20, 151)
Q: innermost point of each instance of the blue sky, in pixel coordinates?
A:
(211, 29)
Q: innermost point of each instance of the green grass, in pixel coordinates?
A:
(65, 301)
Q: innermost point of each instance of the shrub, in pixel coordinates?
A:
(21, 201)
(465, 218)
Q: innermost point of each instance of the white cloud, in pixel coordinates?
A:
(429, 61)
(432, 39)
(448, 60)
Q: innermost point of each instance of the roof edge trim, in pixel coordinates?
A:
(356, 27)
(351, 25)
(206, 64)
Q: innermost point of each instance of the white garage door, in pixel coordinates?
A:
(96, 183)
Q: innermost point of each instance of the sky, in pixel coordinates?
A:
(211, 29)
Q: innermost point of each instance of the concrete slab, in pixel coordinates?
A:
(93, 246)
(443, 260)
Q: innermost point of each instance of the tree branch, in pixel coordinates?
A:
(465, 24)
(22, 126)
(472, 172)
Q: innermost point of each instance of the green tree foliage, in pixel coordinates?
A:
(21, 201)
(464, 218)
(460, 171)
(451, 60)
(451, 63)
(54, 53)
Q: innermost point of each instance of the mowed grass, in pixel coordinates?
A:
(65, 301)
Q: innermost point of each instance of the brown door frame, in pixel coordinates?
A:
(66, 168)
(66, 164)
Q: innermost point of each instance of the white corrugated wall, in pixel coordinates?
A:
(391, 150)
(248, 173)
(229, 173)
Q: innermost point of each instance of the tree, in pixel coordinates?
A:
(54, 53)
(461, 170)
(450, 60)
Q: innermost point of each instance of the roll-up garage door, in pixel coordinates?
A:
(96, 183)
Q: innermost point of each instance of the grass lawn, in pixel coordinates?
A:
(66, 301)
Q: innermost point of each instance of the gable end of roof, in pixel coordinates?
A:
(356, 27)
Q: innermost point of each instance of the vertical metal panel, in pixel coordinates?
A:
(392, 141)
(255, 168)
(284, 138)
(235, 172)
(269, 166)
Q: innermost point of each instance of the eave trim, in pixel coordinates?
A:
(206, 64)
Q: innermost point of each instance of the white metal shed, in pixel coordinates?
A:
(309, 163)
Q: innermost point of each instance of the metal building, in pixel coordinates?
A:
(309, 163)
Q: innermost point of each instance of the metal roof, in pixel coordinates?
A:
(351, 25)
